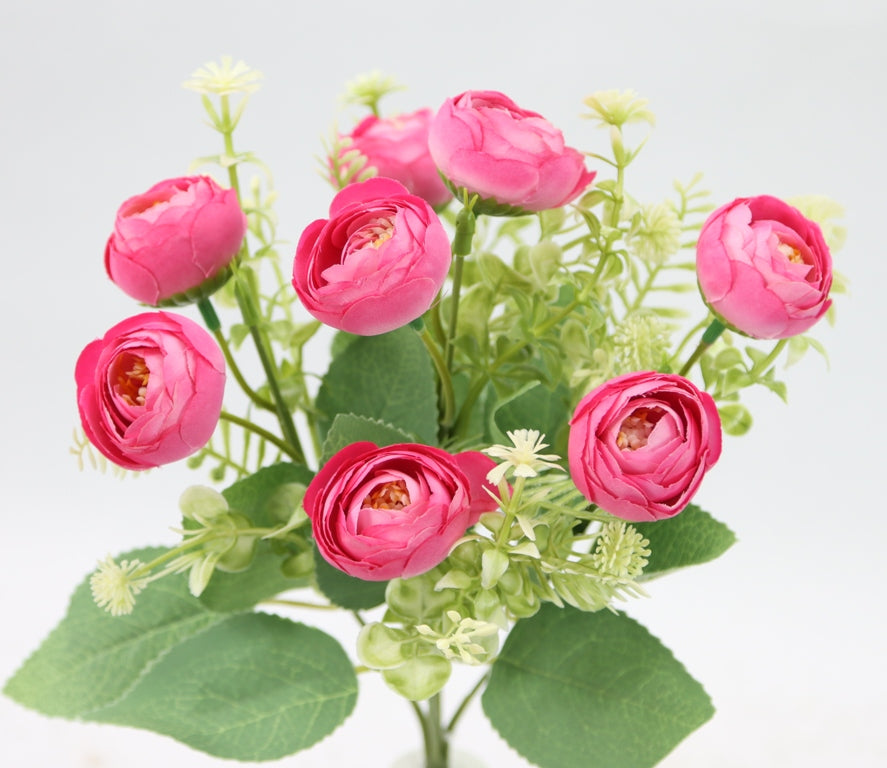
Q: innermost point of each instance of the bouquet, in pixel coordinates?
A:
(503, 450)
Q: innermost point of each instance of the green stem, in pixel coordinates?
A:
(447, 395)
(249, 310)
(263, 433)
(212, 322)
(765, 362)
(436, 746)
(299, 604)
(465, 225)
(251, 317)
(466, 701)
(708, 338)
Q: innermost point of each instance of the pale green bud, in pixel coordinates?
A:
(202, 504)
(381, 647)
(298, 566)
(416, 601)
(488, 607)
(494, 564)
(239, 555)
(419, 678)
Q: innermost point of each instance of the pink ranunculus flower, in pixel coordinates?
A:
(397, 147)
(174, 243)
(150, 390)
(640, 444)
(384, 513)
(764, 268)
(376, 264)
(483, 142)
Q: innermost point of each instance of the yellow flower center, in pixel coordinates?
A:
(132, 375)
(790, 253)
(391, 495)
(635, 429)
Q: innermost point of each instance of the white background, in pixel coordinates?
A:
(773, 97)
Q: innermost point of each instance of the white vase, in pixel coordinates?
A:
(458, 759)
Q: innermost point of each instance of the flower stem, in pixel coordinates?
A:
(212, 322)
(245, 295)
(708, 338)
(465, 224)
(249, 312)
(466, 701)
(436, 746)
(263, 433)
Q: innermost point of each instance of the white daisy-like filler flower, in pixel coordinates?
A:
(113, 586)
(522, 458)
(224, 78)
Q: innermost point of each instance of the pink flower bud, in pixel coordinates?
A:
(376, 264)
(173, 244)
(640, 444)
(482, 141)
(397, 147)
(764, 268)
(383, 513)
(150, 390)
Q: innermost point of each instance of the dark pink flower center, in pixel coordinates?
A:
(635, 429)
(391, 495)
(131, 374)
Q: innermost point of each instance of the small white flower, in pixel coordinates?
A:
(523, 458)
(461, 640)
(224, 78)
(113, 586)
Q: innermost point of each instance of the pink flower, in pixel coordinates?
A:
(764, 268)
(376, 264)
(640, 444)
(150, 390)
(173, 244)
(383, 513)
(484, 142)
(397, 147)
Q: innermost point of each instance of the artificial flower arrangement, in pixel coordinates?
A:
(504, 447)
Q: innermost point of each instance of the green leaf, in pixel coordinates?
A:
(535, 407)
(262, 497)
(612, 696)
(389, 378)
(347, 591)
(689, 538)
(228, 592)
(348, 428)
(92, 658)
(253, 687)
(258, 497)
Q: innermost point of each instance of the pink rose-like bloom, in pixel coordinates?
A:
(150, 390)
(179, 236)
(397, 147)
(484, 142)
(764, 268)
(640, 444)
(376, 264)
(384, 513)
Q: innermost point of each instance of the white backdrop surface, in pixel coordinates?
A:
(785, 98)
